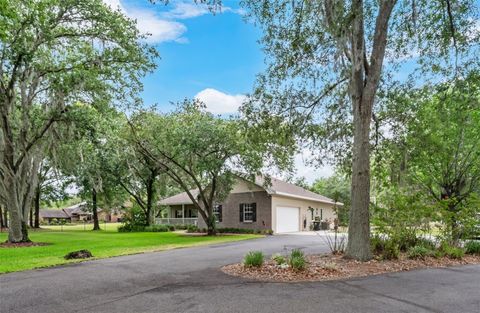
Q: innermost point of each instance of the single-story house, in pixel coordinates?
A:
(80, 213)
(280, 206)
(48, 216)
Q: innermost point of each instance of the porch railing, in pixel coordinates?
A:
(177, 221)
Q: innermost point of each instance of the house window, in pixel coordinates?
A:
(248, 212)
(217, 212)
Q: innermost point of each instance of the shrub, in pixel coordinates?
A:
(419, 252)
(158, 228)
(297, 260)
(427, 243)
(385, 248)
(404, 239)
(192, 229)
(451, 251)
(140, 228)
(279, 259)
(297, 253)
(391, 250)
(231, 230)
(298, 263)
(125, 228)
(472, 247)
(253, 259)
(377, 244)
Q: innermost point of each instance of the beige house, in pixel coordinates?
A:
(280, 206)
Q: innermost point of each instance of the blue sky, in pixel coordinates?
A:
(212, 57)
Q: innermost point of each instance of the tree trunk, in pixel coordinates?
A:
(363, 87)
(150, 200)
(96, 225)
(30, 217)
(15, 231)
(211, 221)
(5, 218)
(358, 246)
(37, 208)
(211, 226)
(2, 225)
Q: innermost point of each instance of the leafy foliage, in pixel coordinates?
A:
(472, 247)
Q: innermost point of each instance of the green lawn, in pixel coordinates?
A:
(102, 244)
(103, 226)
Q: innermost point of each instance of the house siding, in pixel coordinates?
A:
(231, 211)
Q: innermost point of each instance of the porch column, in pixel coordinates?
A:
(183, 214)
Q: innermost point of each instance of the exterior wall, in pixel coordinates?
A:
(231, 211)
(305, 213)
(243, 186)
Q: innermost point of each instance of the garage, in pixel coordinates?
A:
(288, 220)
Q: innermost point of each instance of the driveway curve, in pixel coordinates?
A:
(189, 280)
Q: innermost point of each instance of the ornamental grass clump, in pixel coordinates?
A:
(279, 259)
(253, 259)
(297, 260)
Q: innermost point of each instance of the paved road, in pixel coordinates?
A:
(188, 280)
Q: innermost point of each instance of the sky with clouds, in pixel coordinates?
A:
(211, 57)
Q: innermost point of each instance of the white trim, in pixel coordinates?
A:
(278, 193)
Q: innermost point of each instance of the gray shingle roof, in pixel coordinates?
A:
(277, 187)
(53, 214)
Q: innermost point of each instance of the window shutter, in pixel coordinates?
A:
(220, 213)
(254, 212)
(241, 212)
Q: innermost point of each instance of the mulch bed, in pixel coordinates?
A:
(332, 267)
(22, 244)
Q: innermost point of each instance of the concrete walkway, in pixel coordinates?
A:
(188, 280)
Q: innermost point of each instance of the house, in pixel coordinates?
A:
(80, 213)
(49, 216)
(281, 207)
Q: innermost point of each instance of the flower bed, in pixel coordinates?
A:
(332, 267)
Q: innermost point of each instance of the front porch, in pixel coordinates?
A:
(182, 214)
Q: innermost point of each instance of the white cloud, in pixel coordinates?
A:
(220, 103)
(184, 10)
(159, 30)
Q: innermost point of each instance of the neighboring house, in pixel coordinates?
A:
(79, 213)
(48, 216)
(281, 207)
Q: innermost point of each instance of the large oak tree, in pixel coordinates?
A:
(54, 53)
(326, 63)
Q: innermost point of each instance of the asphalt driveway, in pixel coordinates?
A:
(188, 280)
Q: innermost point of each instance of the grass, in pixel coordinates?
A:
(103, 226)
(102, 244)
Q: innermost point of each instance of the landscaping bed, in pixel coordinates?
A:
(332, 267)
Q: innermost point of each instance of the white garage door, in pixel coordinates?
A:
(288, 220)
